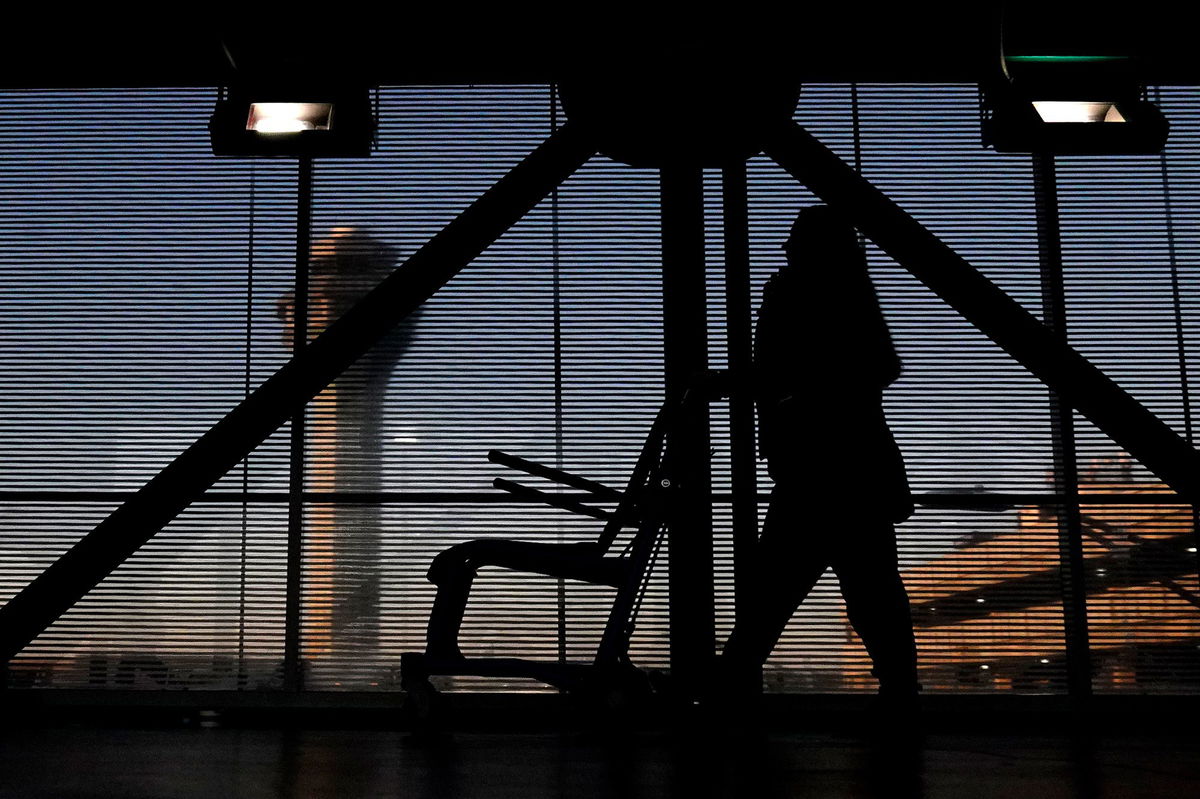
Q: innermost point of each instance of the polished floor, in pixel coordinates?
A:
(198, 759)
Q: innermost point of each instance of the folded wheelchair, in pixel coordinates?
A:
(643, 507)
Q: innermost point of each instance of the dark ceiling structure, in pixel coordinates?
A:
(850, 43)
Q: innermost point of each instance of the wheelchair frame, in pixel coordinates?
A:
(644, 506)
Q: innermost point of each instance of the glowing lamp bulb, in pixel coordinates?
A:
(289, 117)
(1073, 111)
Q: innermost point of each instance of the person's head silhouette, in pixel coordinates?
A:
(819, 234)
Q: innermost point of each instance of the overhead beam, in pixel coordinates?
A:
(285, 393)
(1077, 381)
(904, 44)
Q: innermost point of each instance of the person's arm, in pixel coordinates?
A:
(888, 361)
(866, 329)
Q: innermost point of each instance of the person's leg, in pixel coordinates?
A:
(786, 566)
(877, 605)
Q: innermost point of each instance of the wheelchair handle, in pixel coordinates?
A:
(554, 475)
(565, 503)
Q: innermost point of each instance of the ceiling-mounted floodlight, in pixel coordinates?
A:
(1064, 121)
(293, 121)
(1066, 87)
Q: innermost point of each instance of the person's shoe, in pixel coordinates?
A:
(894, 720)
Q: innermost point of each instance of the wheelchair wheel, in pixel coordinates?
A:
(423, 704)
(616, 697)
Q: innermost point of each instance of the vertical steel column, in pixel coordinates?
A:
(1185, 389)
(685, 352)
(1062, 431)
(740, 338)
(558, 372)
(293, 676)
(246, 376)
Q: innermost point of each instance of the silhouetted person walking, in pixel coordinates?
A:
(823, 356)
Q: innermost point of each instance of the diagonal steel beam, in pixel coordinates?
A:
(1078, 383)
(130, 526)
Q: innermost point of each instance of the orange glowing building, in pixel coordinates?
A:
(989, 614)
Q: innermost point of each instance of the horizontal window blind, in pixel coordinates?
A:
(147, 287)
(1129, 254)
(137, 284)
(549, 346)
